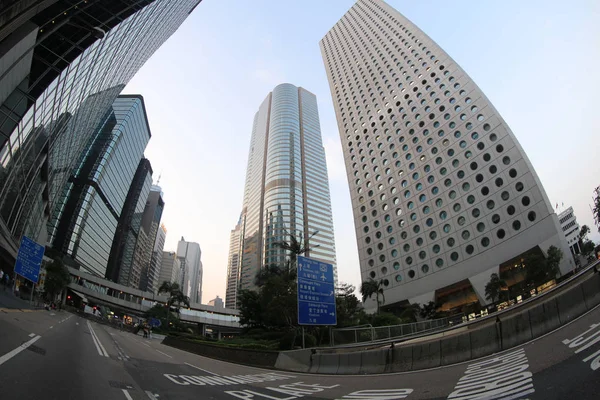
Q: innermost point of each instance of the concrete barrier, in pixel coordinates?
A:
(571, 304)
(344, 363)
(426, 355)
(515, 330)
(455, 349)
(543, 318)
(294, 360)
(328, 363)
(353, 366)
(591, 291)
(374, 361)
(401, 359)
(484, 341)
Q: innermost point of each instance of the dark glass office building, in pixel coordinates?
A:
(61, 67)
(92, 201)
(150, 224)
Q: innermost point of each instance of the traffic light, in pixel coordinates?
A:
(69, 297)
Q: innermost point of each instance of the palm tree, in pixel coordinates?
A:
(372, 287)
(494, 287)
(296, 247)
(176, 298)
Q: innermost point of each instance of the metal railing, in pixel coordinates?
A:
(370, 334)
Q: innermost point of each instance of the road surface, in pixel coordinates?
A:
(58, 355)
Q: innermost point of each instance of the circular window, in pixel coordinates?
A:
(510, 210)
(505, 196)
(425, 268)
(409, 260)
(485, 242)
(404, 235)
(436, 248)
(519, 186)
(493, 137)
(531, 216)
(456, 207)
(473, 166)
(454, 256)
(429, 222)
(475, 213)
(490, 204)
(446, 228)
(486, 127)
(495, 218)
(461, 221)
(485, 190)
(396, 265)
(470, 199)
(398, 278)
(447, 182)
(450, 242)
(505, 159)
(460, 174)
(516, 225)
(411, 274)
(426, 210)
(499, 182)
(470, 249)
(486, 157)
(512, 173)
(392, 241)
(525, 201)
(416, 229)
(439, 262)
(466, 186)
(439, 202)
(366, 229)
(382, 258)
(422, 255)
(466, 235)
(398, 212)
(493, 169)
(384, 270)
(480, 227)
(452, 194)
(479, 178)
(372, 274)
(480, 146)
(419, 241)
(422, 198)
(501, 234)
(499, 148)
(443, 214)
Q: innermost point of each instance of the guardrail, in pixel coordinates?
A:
(364, 336)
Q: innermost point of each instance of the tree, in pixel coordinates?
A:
(176, 298)
(540, 270)
(429, 310)
(57, 278)
(250, 309)
(370, 288)
(295, 246)
(494, 287)
(347, 306)
(588, 248)
(596, 209)
(584, 232)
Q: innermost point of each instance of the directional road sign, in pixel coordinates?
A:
(316, 293)
(29, 259)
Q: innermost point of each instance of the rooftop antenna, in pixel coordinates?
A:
(159, 176)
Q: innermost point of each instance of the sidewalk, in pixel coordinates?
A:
(9, 300)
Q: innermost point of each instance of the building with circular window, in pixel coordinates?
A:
(443, 194)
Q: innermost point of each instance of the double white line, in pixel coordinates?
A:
(99, 347)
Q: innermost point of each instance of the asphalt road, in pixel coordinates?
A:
(57, 355)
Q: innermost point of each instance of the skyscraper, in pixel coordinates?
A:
(233, 264)
(170, 268)
(62, 66)
(89, 208)
(156, 260)
(150, 227)
(189, 255)
(287, 188)
(443, 194)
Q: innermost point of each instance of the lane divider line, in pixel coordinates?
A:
(19, 349)
(165, 354)
(203, 370)
(31, 334)
(127, 395)
(51, 326)
(151, 395)
(99, 346)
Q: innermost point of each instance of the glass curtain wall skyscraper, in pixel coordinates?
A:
(233, 266)
(287, 187)
(90, 206)
(64, 66)
(443, 194)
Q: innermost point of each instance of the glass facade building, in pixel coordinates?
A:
(189, 254)
(88, 210)
(233, 266)
(61, 68)
(151, 227)
(443, 195)
(287, 187)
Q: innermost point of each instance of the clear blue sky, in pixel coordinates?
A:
(537, 61)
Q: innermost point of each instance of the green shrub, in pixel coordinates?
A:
(287, 341)
(385, 319)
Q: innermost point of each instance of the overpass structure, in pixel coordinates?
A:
(137, 302)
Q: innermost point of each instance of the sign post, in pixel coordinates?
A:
(29, 261)
(316, 293)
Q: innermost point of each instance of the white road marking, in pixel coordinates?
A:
(584, 343)
(31, 334)
(374, 394)
(295, 391)
(19, 349)
(201, 380)
(203, 370)
(76, 323)
(99, 346)
(151, 395)
(164, 354)
(52, 314)
(52, 326)
(146, 344)
(502, 377)
(127, 395)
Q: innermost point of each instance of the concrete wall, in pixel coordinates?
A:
(508, 331)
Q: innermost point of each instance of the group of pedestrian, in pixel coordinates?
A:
(5, 279)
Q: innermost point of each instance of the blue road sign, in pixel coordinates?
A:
(29, 259)
(316, 293)
(154, 322)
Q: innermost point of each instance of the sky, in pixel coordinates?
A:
(537, 62)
